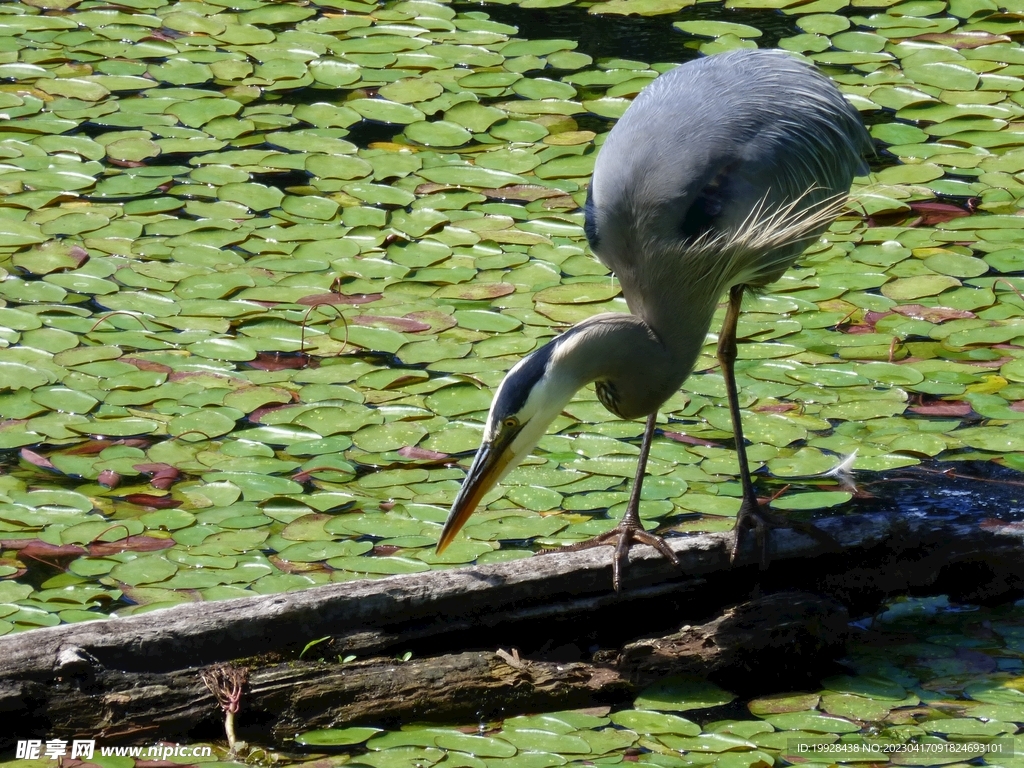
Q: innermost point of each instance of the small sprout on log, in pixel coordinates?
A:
(312, 644)
(227, 683)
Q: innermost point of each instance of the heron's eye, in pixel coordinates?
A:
(511, 422)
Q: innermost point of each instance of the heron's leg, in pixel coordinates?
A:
(630, 530)
(752, 514)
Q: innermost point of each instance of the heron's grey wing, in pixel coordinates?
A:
(705, 145)
(801, 159)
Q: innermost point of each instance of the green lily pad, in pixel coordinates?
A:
(481, 746)
(812, 500)
(811, 721)
(477, 117)
(336, 737)
(716, 28)
(379, 565)
(471, 176)
(146, 569)
(315, 551)
(678, 694)
(968, 727)
(516, 528)
(942, 74)
(994, 692)
(338, 166)
(258, 197)
(384, 111)
(655, 722)
(867, 686)
(640, 7)
(411, 90)
(910, 288)
(855, 707)
(19, 233)
(784, 702)
(530, 740)
(439, 133)
(705, 742)
(14, 376)
(577, 293)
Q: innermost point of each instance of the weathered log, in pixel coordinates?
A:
(877, 556)
(560, 599)
(777, 635)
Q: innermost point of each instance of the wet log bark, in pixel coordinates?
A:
(553, 608)
(782, 634)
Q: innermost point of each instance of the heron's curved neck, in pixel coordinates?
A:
(682, 325)
(636, 369)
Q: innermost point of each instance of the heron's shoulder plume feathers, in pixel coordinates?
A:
(764, 243)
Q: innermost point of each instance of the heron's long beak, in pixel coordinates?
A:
(487, 469)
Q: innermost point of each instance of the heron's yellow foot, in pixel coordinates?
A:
(622, 537)
(753, 516)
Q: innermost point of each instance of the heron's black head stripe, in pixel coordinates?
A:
(590, 219)
(516, 388)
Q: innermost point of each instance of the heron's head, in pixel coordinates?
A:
(532, 394)
(620, 352)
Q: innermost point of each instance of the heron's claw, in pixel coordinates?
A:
(753, 516)
(622, 537)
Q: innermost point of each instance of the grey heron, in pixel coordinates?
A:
(721, 173)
